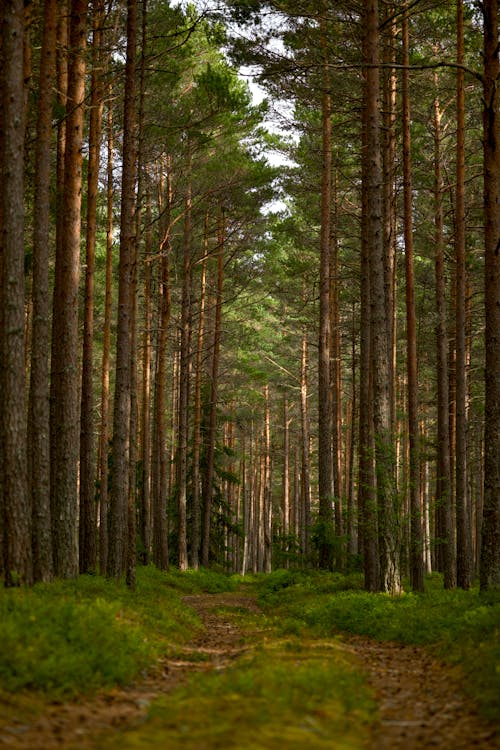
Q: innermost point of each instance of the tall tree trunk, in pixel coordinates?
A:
(389, 546)
(38, 444)
(118, 517)
(145, 504)
(16, 505)
(336, 377)
(367, 501)
(106, 350)
(285, 508)
(490, 549)
(388, 166)
(195, 544)
(416, 535)
(159, 449)
(464, 532)
(65, 402)
(88, 525)
(184, 383)
(305, 494)
(444, 497)
(214, 386)
(324, 395)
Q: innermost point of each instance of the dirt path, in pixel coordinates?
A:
(421, 704)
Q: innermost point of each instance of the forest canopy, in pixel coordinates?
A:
(247, 335)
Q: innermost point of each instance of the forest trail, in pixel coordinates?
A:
(420, 700)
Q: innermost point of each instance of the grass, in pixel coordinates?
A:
(285, 694)
(462, 626)
(73, 637)
(296, 687)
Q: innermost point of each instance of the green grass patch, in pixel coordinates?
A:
(462, 626)
(72, 637)
(287, 694)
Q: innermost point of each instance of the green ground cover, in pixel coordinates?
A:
(296, 686)
(462, 626)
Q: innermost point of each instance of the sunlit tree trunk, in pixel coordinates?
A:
(305, 491)
(65, 376)
(208, 476)
(38, 443)
(444, 497)
(159, 479)
(490, 550)
(389, 546)
(118, 517)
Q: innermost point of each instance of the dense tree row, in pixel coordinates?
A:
(192, 376)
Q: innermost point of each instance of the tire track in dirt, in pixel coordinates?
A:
(421, 701)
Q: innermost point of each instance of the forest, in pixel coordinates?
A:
(249, 371)
(243, 332)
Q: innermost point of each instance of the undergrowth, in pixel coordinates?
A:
(72, 637)
(462, 626)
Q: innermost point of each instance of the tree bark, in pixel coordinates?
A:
(102, 459)
(195, 543)
(324, 395)
(39, 410)
(416, 535)
(389, 545)
(13, 452)
(444, 497)
(214, 386)
(65, 401)
(464, 532)
(88, 524)
(490, 549)
(118, 517)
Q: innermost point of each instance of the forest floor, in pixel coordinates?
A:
(420, 701)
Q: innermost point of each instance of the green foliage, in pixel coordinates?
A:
(462, 626)
(73, 637)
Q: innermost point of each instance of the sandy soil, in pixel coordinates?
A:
(420, 700)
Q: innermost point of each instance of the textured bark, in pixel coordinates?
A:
(324, 395)
(490, 549)
(208, 476)
(305, 493)
(416, 533)
(118, 517)
(106, 350)
(88, 521)
(336, 376)
(65, 376)
(184, 387)
(144, 494)
(444, 497)
(367, 501)
(464, 531)
(389, 545)
(15, 500)
(39, 411)
(195, 538)
(159, 448)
